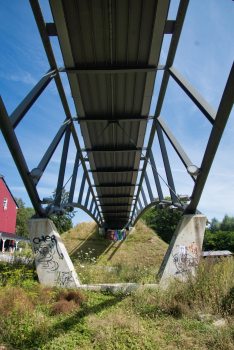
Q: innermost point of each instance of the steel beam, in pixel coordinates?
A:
(82, 188)
(143, 196)
(111, 70)
(87, 197)
(140, 204)
(62, 166)
(97, 119)
(50, 151)
(117, 205)
(175, 144)
(166, 161)
(108, 150)
(114, 185)
(51, 29)
(116, 217)
(74, 177)
(149, 187)
(169, 27)
(118, 171)
(91, 205)
(17, 155)
(116, 212)
(197, 98)
(113, 196)
(29, 100)
(156, 177)
(224, 110)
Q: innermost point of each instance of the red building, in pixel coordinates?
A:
(8, 212)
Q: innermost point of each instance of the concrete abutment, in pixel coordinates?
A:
(184, 250)
(53, 264)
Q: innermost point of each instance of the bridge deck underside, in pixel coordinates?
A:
(112, 34)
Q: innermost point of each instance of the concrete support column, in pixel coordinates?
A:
(185, 248)
(54, 266)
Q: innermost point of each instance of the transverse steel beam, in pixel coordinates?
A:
(111, 70)
(108, 150)
(99, 119)
(118, 171)
(113, 185)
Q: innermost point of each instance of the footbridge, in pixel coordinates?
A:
(111, 51)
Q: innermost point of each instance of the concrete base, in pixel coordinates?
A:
(124, 288)
(185, 248)
(53, 264)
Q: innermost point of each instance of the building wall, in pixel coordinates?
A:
(7, 216)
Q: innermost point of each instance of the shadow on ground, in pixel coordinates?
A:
(94, 245)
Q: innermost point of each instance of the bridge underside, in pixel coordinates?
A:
(111, 53)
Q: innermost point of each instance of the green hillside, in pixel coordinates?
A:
(143, 246)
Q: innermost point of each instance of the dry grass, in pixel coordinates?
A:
(67, 301)
(14, 299)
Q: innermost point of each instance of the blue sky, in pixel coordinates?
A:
(204, 56)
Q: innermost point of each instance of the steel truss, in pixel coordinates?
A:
(97, 209)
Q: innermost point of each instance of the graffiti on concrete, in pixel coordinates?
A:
(184, 261)
(116, 235)
(64, 278)
(45, 248)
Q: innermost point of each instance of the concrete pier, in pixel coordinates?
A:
(185, 248)
(53, 264)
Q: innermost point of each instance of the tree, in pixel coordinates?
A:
(214, 225)
(220, 240)
(162, 222)
(62, 222)
(23, 214)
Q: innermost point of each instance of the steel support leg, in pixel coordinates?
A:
(74, 177)
(62, 166)
(29, 100)
(166, 161)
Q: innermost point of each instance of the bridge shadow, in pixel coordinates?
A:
(92, 246)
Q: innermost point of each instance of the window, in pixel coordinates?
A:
(5, 203)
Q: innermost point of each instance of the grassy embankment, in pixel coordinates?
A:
(181, 317)
(135, 260)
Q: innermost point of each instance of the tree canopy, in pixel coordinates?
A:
(23, 214)
(162, 222)
(220, 235)
(62, 222)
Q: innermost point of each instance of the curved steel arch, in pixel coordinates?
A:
(153, 204)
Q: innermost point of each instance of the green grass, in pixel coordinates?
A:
(141, 247)
(149, 319)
